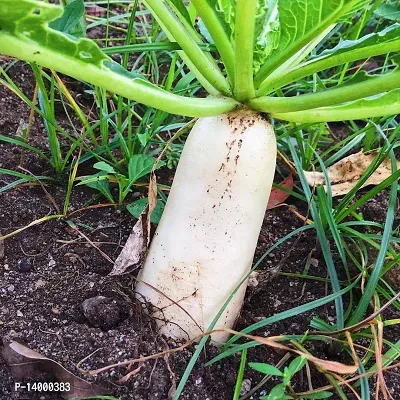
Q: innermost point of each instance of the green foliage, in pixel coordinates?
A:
(139, 166)
(299, 23)
(285, 33)
(389, 10)
(266, 369)
(29, 21)
(137, 207)
(281, 390)
(72, 22)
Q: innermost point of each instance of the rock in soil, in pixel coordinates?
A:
(103, 312)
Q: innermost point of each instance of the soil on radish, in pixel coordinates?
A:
(49, 270)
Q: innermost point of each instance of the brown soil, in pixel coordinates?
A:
(48, 270)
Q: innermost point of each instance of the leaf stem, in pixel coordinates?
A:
(221, 39)
(325, 62)
(384, 104)
(175, 27)
(244, 49)
(347, 92)
(131, 88)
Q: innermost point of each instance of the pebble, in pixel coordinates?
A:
(277, 303)
(246, 386)
(19, 314)
(11, 288)
(253, 279)
(40, 283)
(24, 266)
(103, 312)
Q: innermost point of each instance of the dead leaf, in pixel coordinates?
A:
(152, 198)
(326, 365)
(278, 196)
(345, 174)
(135, 247)
(25, 363)
(96, 11)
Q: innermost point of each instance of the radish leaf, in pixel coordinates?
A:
(300, 22)
(141, 165)
(72, 21)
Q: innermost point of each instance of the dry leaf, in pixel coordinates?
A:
(25, 363)
(96, 11)
(345, 174)
(326, 365)
(135, 247)
(152, 198)
(278, 196)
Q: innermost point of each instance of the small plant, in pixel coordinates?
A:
(203, 249)
(283, 391)
(139, 166)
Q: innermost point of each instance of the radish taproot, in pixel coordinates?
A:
(211, 223)
(206, 239)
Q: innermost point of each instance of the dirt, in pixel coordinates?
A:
(53, 273)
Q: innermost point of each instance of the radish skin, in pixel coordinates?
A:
(206, 239)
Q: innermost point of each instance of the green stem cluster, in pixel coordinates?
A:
(24, 33)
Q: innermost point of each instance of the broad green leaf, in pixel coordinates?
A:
(300, 22)
(277, 393)
(103, 166)
(267, 32)
(141, 165)
(318, 396)
(296, 365)
(266, 369)
(226, 8)
(143, 138)
(375, 106)
(72, 21)
(366, 44)
(390, 11)
(28, 22)
(99, 182)
(136, 208)
(25, 34)
(386, 41)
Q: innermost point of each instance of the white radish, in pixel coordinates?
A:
(205, 242)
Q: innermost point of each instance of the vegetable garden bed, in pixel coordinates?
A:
(60, 239)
